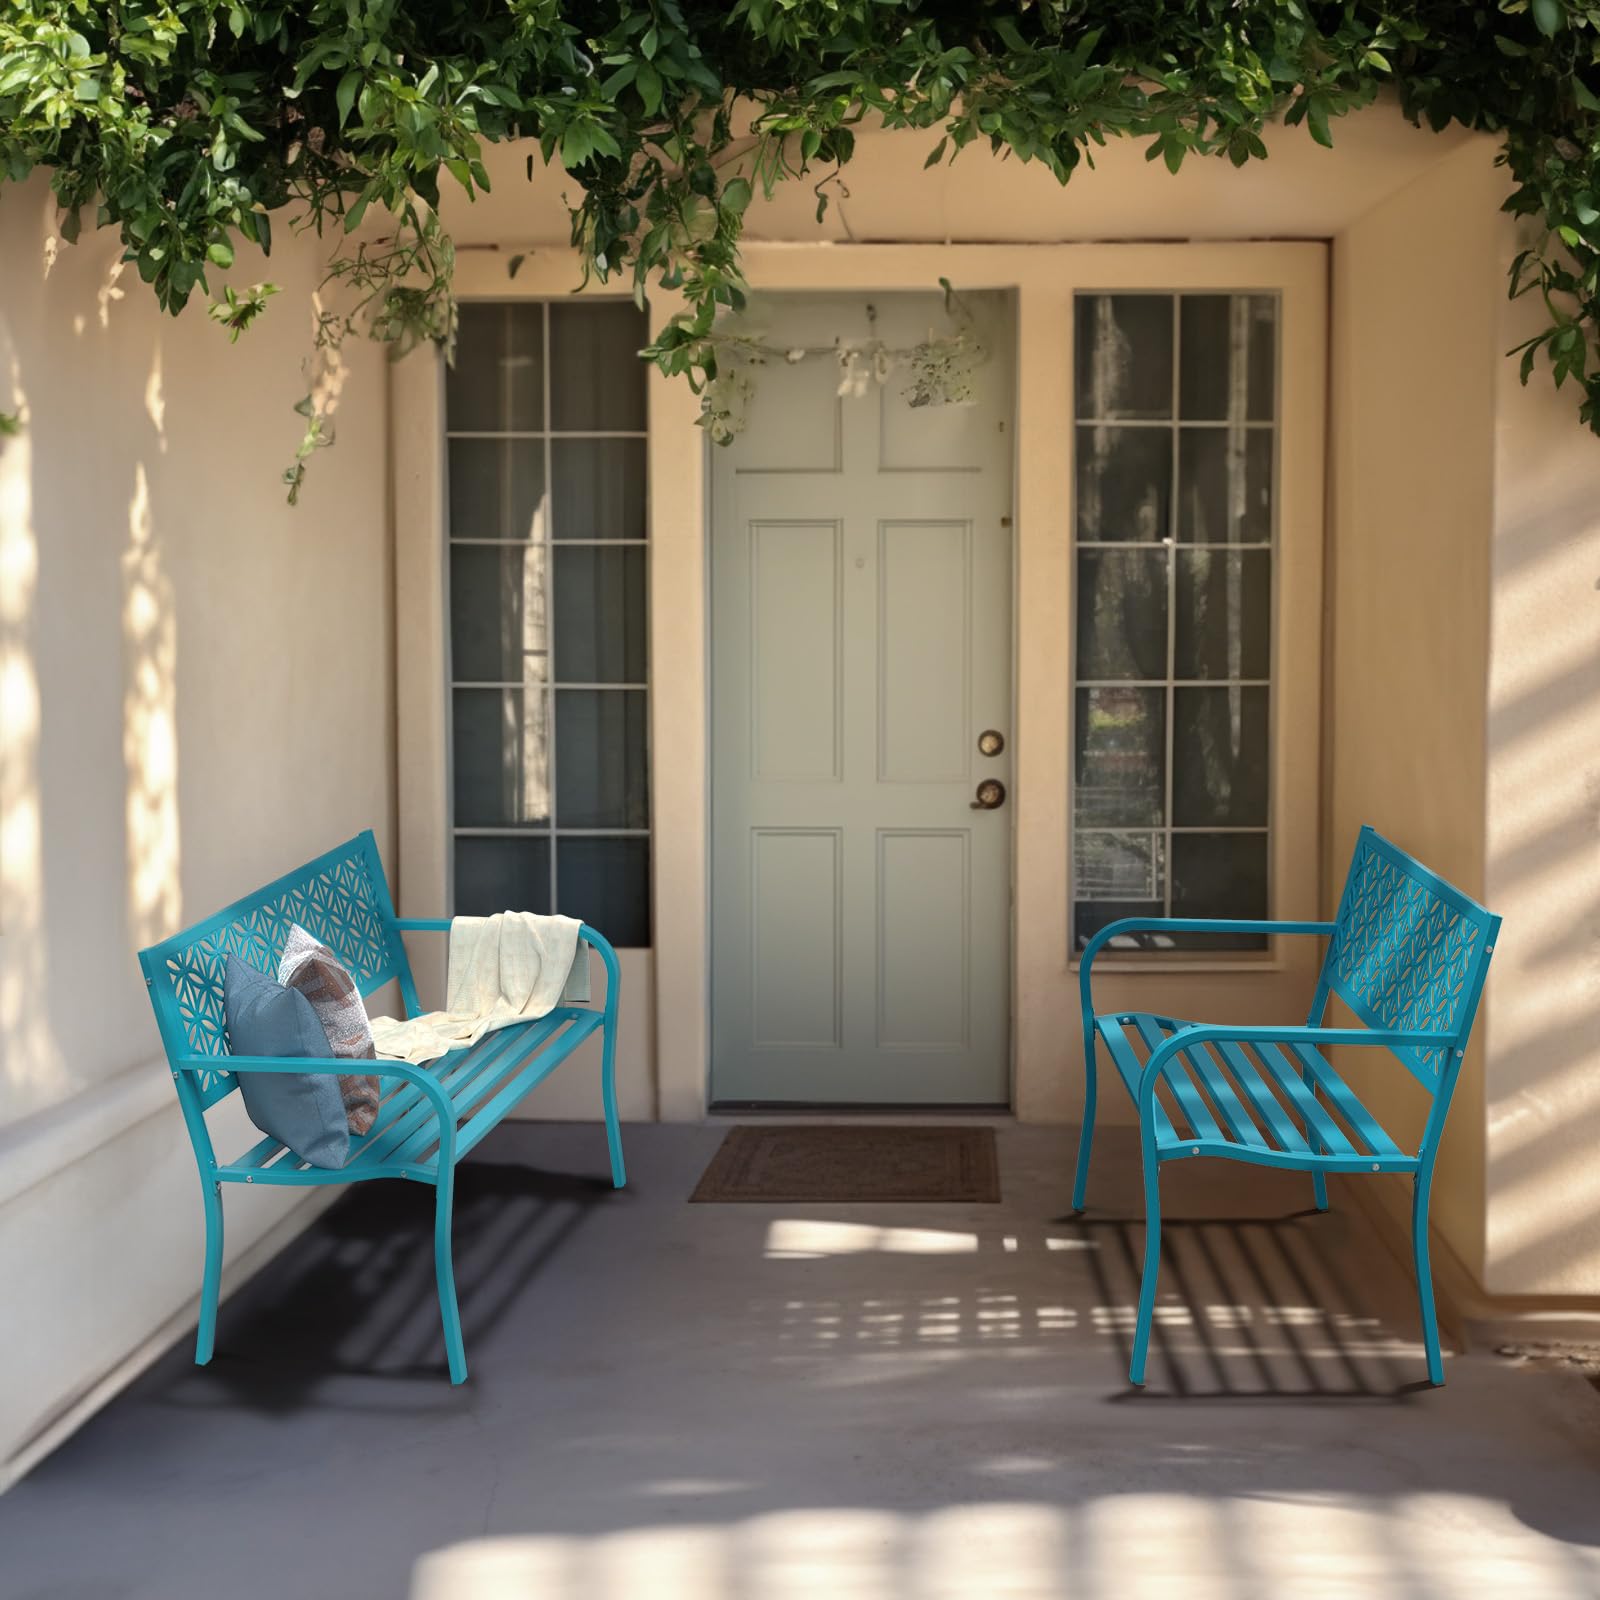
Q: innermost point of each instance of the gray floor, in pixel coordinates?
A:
(757, 1403)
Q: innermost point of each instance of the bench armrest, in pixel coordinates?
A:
(367, 1067)
(1227, 1033)
(1181, 925)
(599, 942)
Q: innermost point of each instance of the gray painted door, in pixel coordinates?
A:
(861, 644)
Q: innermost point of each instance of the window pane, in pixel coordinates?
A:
(1120, 738)
(1219, 758)
(597, 488)
(1124, 484)
(1220, 875)
(600, 607)
(597, 381)
(1122, 614)
(1225, 485)
(1118, 866)
(1228, 352)
(497, 489)
(1224, 621)
(602, 779)
(1124, 356)
(502, 758)
(502, 875)
(606, 883)
(1089, 917)
(497, 612)
(496, 384)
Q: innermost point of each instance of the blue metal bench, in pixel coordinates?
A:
(430, 1117)
(1407, 953)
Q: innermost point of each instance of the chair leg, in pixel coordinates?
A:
(1152, 1264)
(1319, 1181)
(1419, 1248)
(211, 1282)
(608, 1094)
(1080, 1181)
(445, 1271)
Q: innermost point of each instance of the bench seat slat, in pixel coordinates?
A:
(1190, 1101)
(457, 1072)
(1328, 1135)
(1239, 1122)
(1129, 1069)
(530, 1073)
(1263, 1101)
(1345, 1101)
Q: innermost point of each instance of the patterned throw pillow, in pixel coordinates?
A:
(311, 967)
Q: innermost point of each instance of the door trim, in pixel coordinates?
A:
(1047, 1071)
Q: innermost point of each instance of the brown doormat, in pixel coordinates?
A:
(842, 1164)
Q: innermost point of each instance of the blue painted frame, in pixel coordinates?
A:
(1389, 902)
(345, 888)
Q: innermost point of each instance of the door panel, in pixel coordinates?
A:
(861, 641)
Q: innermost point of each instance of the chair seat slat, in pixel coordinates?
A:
(1320, 1127)
(1239, 1123)
(1263, 1101)
(1129, 1068)
(1346, 1102)
(1190, 1101)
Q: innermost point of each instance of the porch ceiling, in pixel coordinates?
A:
(704, 1402)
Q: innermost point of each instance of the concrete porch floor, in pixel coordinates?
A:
(757, 1403)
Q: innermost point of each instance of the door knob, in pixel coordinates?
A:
(991, 795)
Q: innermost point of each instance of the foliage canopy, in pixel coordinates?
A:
(190, 125)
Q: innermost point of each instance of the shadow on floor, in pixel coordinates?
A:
(355, 1296)
(1265, 1312)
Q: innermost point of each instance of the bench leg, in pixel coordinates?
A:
(1419, 1248)
(211, 1281)
(608, 1095)
(445, 1271)
(1152, 1264)
(1080, 1181)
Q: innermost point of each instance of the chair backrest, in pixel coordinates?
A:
(1409, 951)
(340, 898)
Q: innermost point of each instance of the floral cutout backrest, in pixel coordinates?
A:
(1409, 951)
(340, 898)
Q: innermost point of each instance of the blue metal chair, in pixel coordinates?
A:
(1407, 953)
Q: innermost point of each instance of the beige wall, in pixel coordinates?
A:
(1464, 697)
(1543, 849)
(1415, 303)
(194, 696)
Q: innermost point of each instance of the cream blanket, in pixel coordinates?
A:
(511, 967)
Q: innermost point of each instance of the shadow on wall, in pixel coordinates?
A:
(88, 648)
(1543, 1092)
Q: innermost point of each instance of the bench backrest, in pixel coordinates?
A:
(340, 898)
(1409, 951)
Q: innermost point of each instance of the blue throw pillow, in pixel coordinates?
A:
(303, 1110)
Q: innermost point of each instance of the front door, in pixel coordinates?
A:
(861, 716)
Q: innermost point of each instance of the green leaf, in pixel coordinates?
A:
(1549, 17)
(736, 195)
(221, 252)
(345, 95)
(936, 155)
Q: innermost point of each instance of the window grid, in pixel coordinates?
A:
(1161, 836)
(549, 540)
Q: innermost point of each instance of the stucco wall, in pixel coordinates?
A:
(195, 684)
(1543, 867)
(1412, 465)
